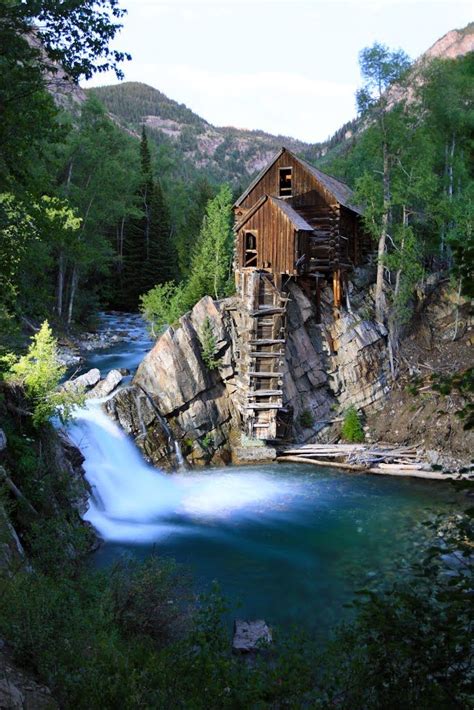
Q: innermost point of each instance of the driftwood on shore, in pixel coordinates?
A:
(384, 459)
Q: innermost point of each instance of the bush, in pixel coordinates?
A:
(306, 419)
(162, 306)
(208, 343)
(352, 430)
(150, 598)
(40, 372)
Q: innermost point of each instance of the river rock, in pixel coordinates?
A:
(88, 379)
(250, 636)
(3, 440)
(105, 387)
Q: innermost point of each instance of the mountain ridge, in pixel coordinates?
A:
(228, 153)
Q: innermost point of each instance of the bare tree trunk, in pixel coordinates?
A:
(60, 284)
(402, 247)
(379, 295)
(72, 294)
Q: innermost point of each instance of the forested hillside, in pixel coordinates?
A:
(225, 154)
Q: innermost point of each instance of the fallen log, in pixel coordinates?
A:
(320, 462)
(414, 473)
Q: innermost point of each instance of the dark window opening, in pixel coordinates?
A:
(250, 249)
(286, 176)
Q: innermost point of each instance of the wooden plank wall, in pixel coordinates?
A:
(306, 189)
(276, 242)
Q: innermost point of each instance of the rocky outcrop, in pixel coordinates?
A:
(19, 690)
(175, 397)
(331, 364)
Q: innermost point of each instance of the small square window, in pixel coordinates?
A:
(286, 178)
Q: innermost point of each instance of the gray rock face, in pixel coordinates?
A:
(327, 366)
(107, 386)
(3, 440)
(331, 364)
(193, 401)
(250, 636)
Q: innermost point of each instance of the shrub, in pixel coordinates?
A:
(150, 598)
(306, 419)
(162, 306)
(208, 343)
(352, 430)
(40, 372)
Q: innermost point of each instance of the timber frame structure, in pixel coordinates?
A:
(293, 221)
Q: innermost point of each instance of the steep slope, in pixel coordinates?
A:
(225, 153)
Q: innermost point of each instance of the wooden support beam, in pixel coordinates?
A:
(264, 406)
(265, 393)
(267, 311)
(268, 375)
(269, 341)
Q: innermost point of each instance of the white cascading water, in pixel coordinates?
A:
(133, 502)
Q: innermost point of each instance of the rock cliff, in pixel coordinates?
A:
(175, 397)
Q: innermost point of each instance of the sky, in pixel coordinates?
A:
(287, 67)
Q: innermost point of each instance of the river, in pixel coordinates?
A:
(287, 543)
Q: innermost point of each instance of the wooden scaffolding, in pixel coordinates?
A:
(263, 352)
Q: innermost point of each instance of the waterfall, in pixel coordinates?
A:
(133, 502)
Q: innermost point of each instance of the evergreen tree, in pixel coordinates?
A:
(149, 256)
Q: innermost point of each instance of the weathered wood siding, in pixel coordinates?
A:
(306, 190)
(276, 240)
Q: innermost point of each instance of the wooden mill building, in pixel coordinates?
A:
(292, 222)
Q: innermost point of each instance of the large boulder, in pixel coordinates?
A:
(107, 386)
(250, 636)
(84, 381)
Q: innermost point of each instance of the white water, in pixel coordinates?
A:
(135, 503)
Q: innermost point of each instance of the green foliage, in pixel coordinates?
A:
(212, 261)
(77, 36)
(150, 598)
(40, 372)
(210, 272)
(306, 419)
(380, 68)
(162, 306)
(411, 646)
(208, 343)
(352, 430)
(207, 441)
